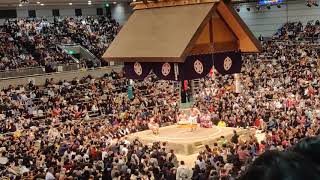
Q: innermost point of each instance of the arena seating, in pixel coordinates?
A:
(296, 31)
(279, 95)
(77, 129)
(33, 42)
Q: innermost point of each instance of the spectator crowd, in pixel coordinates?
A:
(278, 96)
(296, 31)
(34, 42)
(77, 129)
(74, 127)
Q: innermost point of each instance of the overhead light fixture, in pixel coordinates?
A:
(89, 3)
(258, 7)
(41, 4)
(70, 4)
(20, 5)
(308, 4)
(114, 2)
(38, 2)
(24, 1)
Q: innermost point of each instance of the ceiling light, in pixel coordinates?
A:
(70, 4)
(114, 2)
(20, 5)
(42, 4)
(89, 1)
(38, 2)
(308, 4)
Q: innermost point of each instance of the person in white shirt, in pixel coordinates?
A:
(183, 172)
(86, 157)
(49, 174)
(126, 141)
(124, 150)
(3, 158)
(201, 163)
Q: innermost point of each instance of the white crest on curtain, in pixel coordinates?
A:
(166, 68)
(198, 66)
(227, 63)
(137, 68)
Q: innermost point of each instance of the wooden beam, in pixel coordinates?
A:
(221, 31)
(197, 49)
(144, 59)
(247, 41)
(167, 3)
(214, 48)
(195, 37)
(211, 30)
(226, 46)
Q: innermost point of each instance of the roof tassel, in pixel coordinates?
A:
(176, 71)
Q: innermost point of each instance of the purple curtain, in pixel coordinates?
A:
(136, 70)
(194, 67)
(164, 70)
(228, 62)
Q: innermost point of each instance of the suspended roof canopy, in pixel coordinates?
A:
(169, 31)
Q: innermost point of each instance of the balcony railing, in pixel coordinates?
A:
(21, 72)
(37, 70)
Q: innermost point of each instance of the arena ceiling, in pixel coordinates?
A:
(16, 3)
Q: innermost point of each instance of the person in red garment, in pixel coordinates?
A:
(259, 123)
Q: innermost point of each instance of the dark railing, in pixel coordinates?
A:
(70, 67)
(22, 72)
(39, 79)
(37, 70)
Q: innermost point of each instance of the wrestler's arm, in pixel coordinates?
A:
(198, 111)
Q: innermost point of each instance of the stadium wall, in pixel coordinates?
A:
(120, 11)
(266, 22)
(67, 75)
(64, 11)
